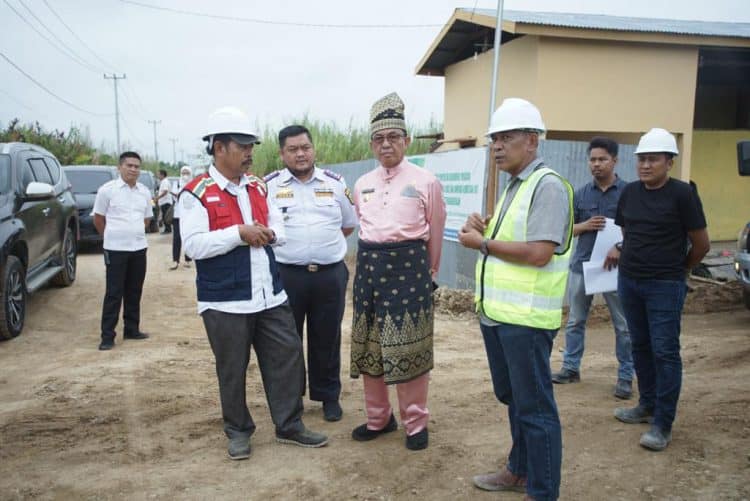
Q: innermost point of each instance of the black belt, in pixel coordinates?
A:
(311, 267)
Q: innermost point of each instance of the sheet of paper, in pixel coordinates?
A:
(605, 240)
(595, 278)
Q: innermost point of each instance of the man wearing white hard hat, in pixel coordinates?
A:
(186, 175)
(659, 217)
(522, 267)
(229, 229)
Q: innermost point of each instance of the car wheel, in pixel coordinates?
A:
(68, 255)
(13, 297)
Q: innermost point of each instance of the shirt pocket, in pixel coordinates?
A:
(222, 215)
(587, 210)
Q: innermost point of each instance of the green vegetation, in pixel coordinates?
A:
(71, 147)
(333, 144)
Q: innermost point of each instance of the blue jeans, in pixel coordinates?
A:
(575, 329)
(521, 378)
(653, 309)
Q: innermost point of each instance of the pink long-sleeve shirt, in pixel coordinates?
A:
(402, 203)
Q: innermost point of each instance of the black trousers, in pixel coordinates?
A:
(279, 352)
(126, 271)
(163, 210)
(319, 297)
(177, 242)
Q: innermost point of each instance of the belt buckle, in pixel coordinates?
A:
(312, 267)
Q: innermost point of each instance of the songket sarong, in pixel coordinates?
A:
(393, 318)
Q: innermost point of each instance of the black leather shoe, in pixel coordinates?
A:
(362, 434)
(107, 344)
(332, 411)
(137, 335)
(418, 441)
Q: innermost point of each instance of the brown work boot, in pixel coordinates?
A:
(501, 480)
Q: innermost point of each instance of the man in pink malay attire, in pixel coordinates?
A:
(402, 216)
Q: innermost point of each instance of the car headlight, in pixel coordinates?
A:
(742, 239)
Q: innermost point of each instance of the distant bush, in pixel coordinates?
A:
(71, 147)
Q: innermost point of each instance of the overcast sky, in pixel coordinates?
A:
(181, 67)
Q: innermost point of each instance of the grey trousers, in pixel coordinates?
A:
(273, 334)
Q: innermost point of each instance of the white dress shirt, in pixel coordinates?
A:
(314, 212)
(125, 209)
(201, 243)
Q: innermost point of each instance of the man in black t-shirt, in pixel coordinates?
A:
(658, 216)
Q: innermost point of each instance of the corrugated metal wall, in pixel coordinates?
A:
(569, 158)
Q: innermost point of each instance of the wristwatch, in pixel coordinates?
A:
(483, 247)
(618, 246)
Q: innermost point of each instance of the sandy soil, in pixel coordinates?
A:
(143, 421)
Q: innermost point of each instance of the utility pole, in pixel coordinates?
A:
(115, 78)
(156, 151)
(174, 150)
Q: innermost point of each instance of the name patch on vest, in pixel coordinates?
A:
(212, 198)
(286, 193)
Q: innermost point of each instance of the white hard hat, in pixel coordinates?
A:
(516, 114)
(186, 168)
(232, 121)
(657, 141)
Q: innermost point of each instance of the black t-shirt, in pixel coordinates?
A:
(655, 223)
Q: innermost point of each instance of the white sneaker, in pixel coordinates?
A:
(174, 265)
(187, 264)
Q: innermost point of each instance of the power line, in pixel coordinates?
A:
(74, 53)
(45, 89)
(72, 32)
(53, 44)
(18, 101)
(135, 137)
(134, 103)
(278, 23)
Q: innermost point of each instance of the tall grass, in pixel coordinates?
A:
(333, 144)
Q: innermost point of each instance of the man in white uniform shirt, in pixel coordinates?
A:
(318, 215)
(122, 210)
(229, 230)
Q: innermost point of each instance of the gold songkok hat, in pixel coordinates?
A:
(387, 113)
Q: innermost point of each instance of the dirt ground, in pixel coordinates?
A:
(143, 420)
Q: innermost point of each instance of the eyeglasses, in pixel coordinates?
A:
(305, 148)
(393, 137)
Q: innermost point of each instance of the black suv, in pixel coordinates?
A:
(85, 181)
(38, 229)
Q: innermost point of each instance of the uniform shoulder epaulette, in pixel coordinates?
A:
(272, 175)
(259, 183)
(334, 175)
(198, 185)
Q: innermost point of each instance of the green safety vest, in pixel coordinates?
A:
(523, 294)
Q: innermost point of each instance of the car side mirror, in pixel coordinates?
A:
(743, 158)
(39, 191)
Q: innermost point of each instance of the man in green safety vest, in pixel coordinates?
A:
(520, 283)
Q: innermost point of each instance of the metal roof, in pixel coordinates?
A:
(471, 31)
(617, 23)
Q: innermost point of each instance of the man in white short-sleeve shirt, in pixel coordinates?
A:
(122, 210)
(164, 199)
